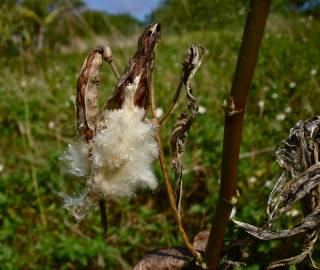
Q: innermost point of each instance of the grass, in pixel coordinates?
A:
(37, 120)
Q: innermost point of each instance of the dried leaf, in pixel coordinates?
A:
(200, 240)
(229, 264)
(310, 222)
(298, 155)
(182, 125)
(307, 250)
(164, 259)
(293, 191)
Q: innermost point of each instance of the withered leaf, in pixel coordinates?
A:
(298, 155)
(182, 125)
(294, 190)
(307, 250)
(200, 240)
(310, 222)
(164, 259)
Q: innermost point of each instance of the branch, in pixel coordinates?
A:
(188, 70)
(234, 113)
(191, 64)
(107, 55)
(175, 99)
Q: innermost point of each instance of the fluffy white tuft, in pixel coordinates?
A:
(124, 153)
(76, 159)
(121, 160)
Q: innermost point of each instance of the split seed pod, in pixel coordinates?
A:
(116, 147)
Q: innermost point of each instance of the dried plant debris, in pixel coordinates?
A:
(87, 92)
(310, 222)
(200, 241)
(141, 64)
(298, 155)
(115, 148)
(182, 125)
(164, 259)
(309, 242)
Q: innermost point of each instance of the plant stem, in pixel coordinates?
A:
(172, 200)
(114, 68)
(107, 53)
(103, 214)
(175, 98)
(234, 113)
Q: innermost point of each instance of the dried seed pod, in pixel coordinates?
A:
(121, 142)
(140, 65)
(87, 93)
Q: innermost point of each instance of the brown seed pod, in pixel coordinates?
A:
(141, 64)
(87, 93)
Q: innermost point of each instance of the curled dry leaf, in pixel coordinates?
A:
(298, 155)
(310, 222)
(310, 240)
(182, 125)
(200, 240)
(293, 191)
(164, 259)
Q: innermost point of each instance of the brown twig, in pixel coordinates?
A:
(175, 99)
(254, 153)
(190, 65)
(108, 58)
(172, 200)
(103, 214)
(234, 113)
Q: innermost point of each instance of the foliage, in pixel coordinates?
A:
(38, 25)
(102, 23)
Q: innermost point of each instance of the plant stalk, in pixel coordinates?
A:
(175, 98)
(103, 215)
(172, 200)
(234, 113)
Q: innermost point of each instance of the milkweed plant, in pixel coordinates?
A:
(116, 146)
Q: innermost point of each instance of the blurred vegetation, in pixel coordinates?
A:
(36, 25)
(37, 120)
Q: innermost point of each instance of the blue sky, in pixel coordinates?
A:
(137, 8)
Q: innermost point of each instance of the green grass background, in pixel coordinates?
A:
(37, 121)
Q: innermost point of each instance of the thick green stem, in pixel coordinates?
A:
(234, 113)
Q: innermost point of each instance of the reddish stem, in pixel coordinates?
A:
(235, 107)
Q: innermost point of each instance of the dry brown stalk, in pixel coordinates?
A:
(234, 114)
(191, 64)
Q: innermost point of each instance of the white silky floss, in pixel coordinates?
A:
(121, 159)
